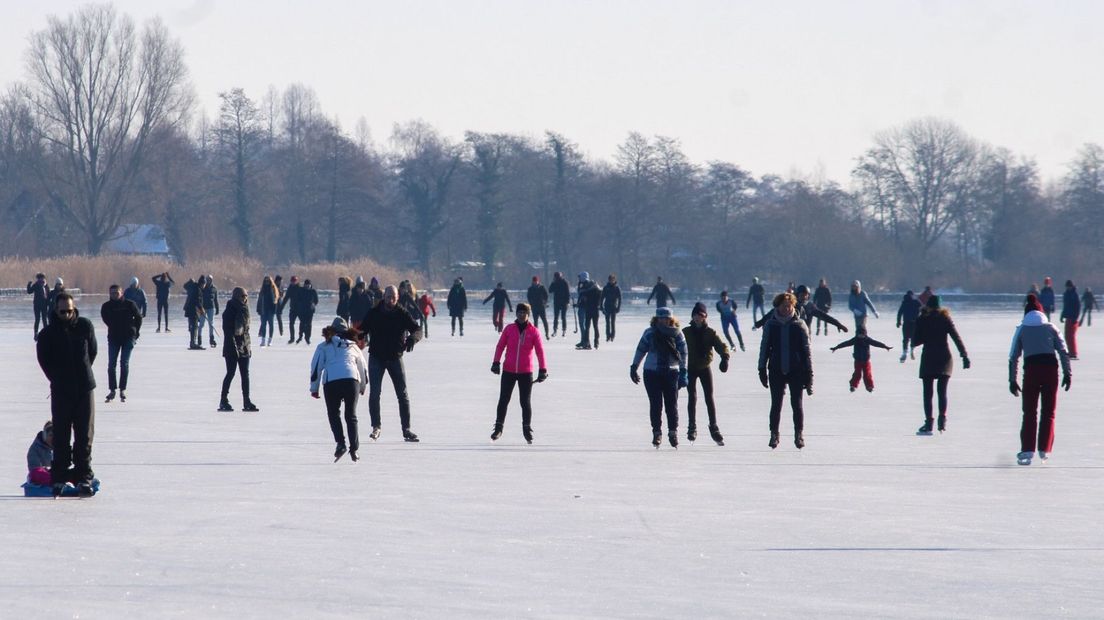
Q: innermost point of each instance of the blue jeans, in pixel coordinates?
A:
(729, 320)
(266, 320)
(208, 318)
(114, 348)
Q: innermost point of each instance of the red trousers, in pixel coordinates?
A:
(863, 371)
(497, 317)
(1039, 380)
(1071, 337)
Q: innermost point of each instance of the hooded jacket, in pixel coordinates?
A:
(344, 293)
(519, 345)
(909, 310)
(40, 454)
(457, 300)
(123, 320)
(235, 329)
(1038, 340)
(932, 330)
(66, 350)
(701, 342)
(138, 296)
(335, 359)
(210, 298)
(655, 348)
(784, 349)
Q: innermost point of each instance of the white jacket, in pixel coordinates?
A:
(338, 358)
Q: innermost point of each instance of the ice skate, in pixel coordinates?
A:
(122, 396)
(692, 435)
(497, 433)
(773, 443)
(799, 440)
(1043, 456)
(657, 439)
(339, 452)
(409, 436)
(250, 407)
(110, 396)
(926, 429)
(353, 455)
(527, 433)
(84, 489)
(715, 434)
(672, 438)
(903, 357)
(225, 406)
(942, 423)
(374, 435)
(1024, 458)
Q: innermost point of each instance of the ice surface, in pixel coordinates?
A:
(230, 515)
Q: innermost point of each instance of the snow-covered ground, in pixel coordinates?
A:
(230, 515)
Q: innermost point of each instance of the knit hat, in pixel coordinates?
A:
(699, 308)
(934, 301)
(584, 276)
(360, 280)
(339, 324)
(857, 284)
(134, 281)
(801, 290)
(59, 282)
(1032, 304)
(536, 279)
(663, 313)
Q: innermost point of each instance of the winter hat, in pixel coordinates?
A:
(1032, 304)
(857, 284)
(584, 276)
(360, 280)
(48, 427)
(339, 324)
(134, 281)
(1069, 283)
(934, 302)
(801, 290)
(699, 308)
(375, 282)
(536, 279)
(59, 282)
(663, 313)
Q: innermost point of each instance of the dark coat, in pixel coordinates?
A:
(537, 296)
(344, 295)
(289, 299)
(611, 299)
(235, 330)
(138, 296)
(590, 297)
(771, 351)
(561, 294)
(501, 300)
(701, 342)
(193, 300)
(123, 320)
(862, 346)
(359, 302)
(162, 286)
(932, 331)
(210, 298)
(909, 310)
(662, 294)
(822, 297)
(1071, 304)
(304, 301)
(40, 292)
(387, 330)
(457, 300)
(66, 350)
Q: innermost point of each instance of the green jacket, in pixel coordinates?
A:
(700, 344)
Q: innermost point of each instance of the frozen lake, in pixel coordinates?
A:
(232, 515)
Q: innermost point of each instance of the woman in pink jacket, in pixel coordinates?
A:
(519, 340)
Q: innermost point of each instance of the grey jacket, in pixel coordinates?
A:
(40, 453)
(1037, 339)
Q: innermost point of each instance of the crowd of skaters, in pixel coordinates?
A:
(374, 326)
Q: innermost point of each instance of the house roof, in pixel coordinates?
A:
(138, 239)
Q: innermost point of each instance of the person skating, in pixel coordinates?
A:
(211, 309)
(726, 308)
(41, 294)
(375, 293)
(927, 293)
(390, 331)
(822, 299)
(338, 365)
(498, 309)
(135, 293)
(278, 281)
(1037, 340)
(661, 293)
(1088, 304)
(588, 298)
(457, 303)
(1046, 296)
(858, 302)
(785, 361)
(662, 348)
(1071, 312)
(537, 296)
(425, 307)
(193, 311)
(806, 310)
(66, 350)
(236, 348)
(289, 299)
(611, 305)
(269, 303)
(861, 352)
(519, 341)
(755, 298)
(359, 302)
(701, 341)
(344, 294)
(304, 304)
(408, 300)
(124, 326)
(161, 284)
(906, 321)
(561, 299)
(933, 328)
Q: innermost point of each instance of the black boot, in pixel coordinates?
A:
(715, 433)
(497, 432)
(773, 443)
(657, 439)
(527, 432)
(942, 423)
(224, 405)
(672, 438)
(408, 435)
(691, 435)
(926, 429)
(799, 440)
(339, 452)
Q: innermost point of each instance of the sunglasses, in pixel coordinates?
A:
(66, 312)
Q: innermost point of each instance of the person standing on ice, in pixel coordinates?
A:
(906, 320)
(344, 293)
(290, 299)
(755, 298)
(161, 284)
(611, 305)
(124, 324)
(589, 299)
(305, 303)
(561, 299)
(1037, 340)
(501, 300)
(858, 302)
(278, 282)
(210, 310)
(66, 350)
(726, 308)
(135, 293)
(662, 348)
(1046, 296)
(926, 294)
(537, 296)
(457, 303)
(933, 328)
(338, 366)
(861, 352)
(236, 349)
(425, 307)
(701, 341)
(390, 331)
(193, 311)
(661, 293)
(268, 303)
(41, 292)
(519, 341)
(1071, 312)
(51, 298)
(822, 299)
(1088, 304)
(785, 361)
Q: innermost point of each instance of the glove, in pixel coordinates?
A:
(763, 377)
(409, 344)
(965, 362)
(542, 375)
(841, 328)
(314, 395)
(724, 365)
(898, 324)
(1066, 382)
(684, 378)
(1014, 388)
(833, 349)
(496, 367)
(635, 376)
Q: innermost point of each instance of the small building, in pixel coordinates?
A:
(138, 239)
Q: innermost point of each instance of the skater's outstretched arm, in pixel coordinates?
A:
(880, 345)
(843, 345)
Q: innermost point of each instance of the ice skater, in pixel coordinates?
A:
(561, 299)
(755, 296)
(1046, 296)
(726, 308)
(236, 349)
(611, 306)
(858, 302)
(933, 328)
(822, 299)
(519, 341)
(338, 365)
(457, 303)
(1071, 312)
(41, 293)
(537, 296)
(785, 361)
(861, 352)
(390, 331)
(907, 314)
(588, 299)
(1037, 340)
(501, 300)
(193, 311)
(161, 284)
(661, 293)
(1088, 304)
(662, 348)
(344, 294)
(805, 310)
(425, 307)
(268, 301)
(124, 326)
(701, 341)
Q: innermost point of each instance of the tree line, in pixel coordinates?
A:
(105, 130)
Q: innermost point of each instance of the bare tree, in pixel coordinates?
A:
(487, 153)
(425, 165)
(240, 133)
(101, 91)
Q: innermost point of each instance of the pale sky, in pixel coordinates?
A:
(793, 87)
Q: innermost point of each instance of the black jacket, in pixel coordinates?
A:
(193, 300)
(304, 301)
(501, 300)
(210, 298)
(66, 350)
(561, 294)
(123, 320)
(235, 330)
(537, 296)
(862, 346)
(359, 302)
(611, 299)
(457, 300)
(387, 330)
(40, 292)
(822, 298)
(589, 297)
(909, 310)
(932, 330)
(162, 285)
(289, 299)
(772, 352)
(806, 312)
(662, 293)
(344, 294)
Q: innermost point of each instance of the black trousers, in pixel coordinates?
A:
(778, 383)
(232, 364)
(454, 320)
(306, 322)
(704, 375)
(611, 325)
(524, 382)
(908, 328)
(395, 369)
(559, 313)
(41, 316)
(195, 338)
(540, 314)
(940, 385)
(162, 308)
(343, 391)
(280, 321)
(74, 418)
(592, 322)
(662, 388)
(291, 325)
